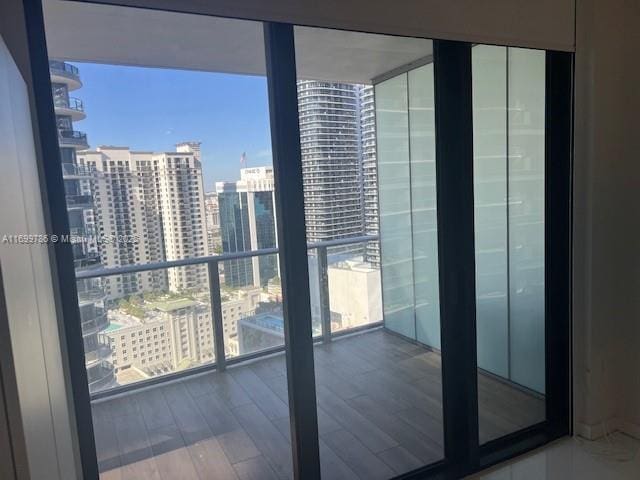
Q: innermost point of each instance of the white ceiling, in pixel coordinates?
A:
(87, 32)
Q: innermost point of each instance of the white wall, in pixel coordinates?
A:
(28, 289)
(607, 217)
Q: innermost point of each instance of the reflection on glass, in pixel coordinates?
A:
(423, 204)
(392, 128)
(408, 220)
(508, 108)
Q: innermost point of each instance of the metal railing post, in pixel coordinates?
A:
(216, 315)
(323, 286)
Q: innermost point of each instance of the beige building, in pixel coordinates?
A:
(355, 296)
(127, 216)
(157, 337)
(181, 193)
(149, 208)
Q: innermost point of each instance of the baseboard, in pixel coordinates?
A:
(595, 431)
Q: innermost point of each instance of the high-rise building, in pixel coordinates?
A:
(150, 208)
(181, 193)
(212, 221)
(128, 217)
(248, 222)
(193, 147)
(80, 209)
(369, 172)
(330, 140)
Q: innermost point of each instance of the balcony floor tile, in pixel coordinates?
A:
(380, 414)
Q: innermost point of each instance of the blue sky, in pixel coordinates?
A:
(153, 109)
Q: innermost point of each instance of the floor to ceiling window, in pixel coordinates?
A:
(346, 325)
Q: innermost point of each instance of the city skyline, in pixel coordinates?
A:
(144, 184)
(227, 113)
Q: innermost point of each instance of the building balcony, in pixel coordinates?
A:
(69, 106)
(91, 260)
(79, 201)
(73, 138)
(99, 354)
(100, 376)
(82, 232)
(71, 171)
(91, 295)
(95, 322)
(378, 392)
(63, 72)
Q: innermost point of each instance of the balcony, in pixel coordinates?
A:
(379, 394)
(73, 138)
(376, 391)
(90, 261)
(98, 322)
(63, 72)
(79, 201)
(69, 106)
(72, 171)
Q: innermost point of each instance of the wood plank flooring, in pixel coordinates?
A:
(379, 415)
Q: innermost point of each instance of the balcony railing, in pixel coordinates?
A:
(320, 251)
(91, 259)
(71, 103)
(79, 201)
(72, 137)
(73, 170)
(63, 67)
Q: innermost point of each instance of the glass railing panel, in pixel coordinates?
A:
(251, 301)
(354, 288)
(149, 333)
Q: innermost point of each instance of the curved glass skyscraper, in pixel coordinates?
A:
(80, 208)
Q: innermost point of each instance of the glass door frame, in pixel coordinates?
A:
(454, 180)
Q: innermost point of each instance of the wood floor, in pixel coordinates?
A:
(379, 415)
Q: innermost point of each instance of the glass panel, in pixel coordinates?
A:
(355, 299)
(392, 128)
(422, 138)
(508, 103)
(361, 116)
(143, 336)
(526, 215)
(252, 315)
(175, 164)
(490, 190)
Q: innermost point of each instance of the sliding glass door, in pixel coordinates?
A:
(509, 185)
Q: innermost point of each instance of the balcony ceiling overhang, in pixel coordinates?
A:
(85, 32)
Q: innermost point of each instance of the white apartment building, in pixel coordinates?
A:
(128, 216)
(181, 195)
(174, 334)
(355, 296)
(149, 208)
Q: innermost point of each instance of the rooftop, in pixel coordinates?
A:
(171, 305)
